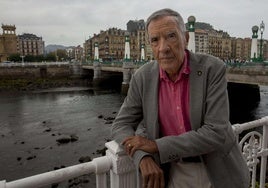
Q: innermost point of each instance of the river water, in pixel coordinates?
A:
(33, 123)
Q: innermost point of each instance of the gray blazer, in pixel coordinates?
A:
(211, 136)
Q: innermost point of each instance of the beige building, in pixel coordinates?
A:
(201, 41)
(220, 44)
(26, 44)
(241, 49)
(111, 43)
(78, 53)
(264, 48)
(87, 50)
(8, 42)
(217, 43)
(226, 48)
(30, 44)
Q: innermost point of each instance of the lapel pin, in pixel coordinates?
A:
(199, 73)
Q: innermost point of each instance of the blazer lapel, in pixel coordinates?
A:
(197, 76)
(154, 80)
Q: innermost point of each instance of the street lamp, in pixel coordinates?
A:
(262, 27)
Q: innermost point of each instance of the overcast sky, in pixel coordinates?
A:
(71, 22)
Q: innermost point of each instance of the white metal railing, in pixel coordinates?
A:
(123, 172)
(121, 167)
(254, 147)
(99, 165)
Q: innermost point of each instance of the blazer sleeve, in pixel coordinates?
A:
(129, 120)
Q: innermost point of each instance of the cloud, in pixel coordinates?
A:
(70, 22)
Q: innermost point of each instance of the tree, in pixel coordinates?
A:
(39, 58)
(61, 54)
(14, 57)
(50, 57)
(29, 58)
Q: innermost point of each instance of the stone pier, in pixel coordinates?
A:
(128, 70)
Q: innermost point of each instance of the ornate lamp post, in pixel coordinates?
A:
(254, 44)
(191, 43)
(262, 27)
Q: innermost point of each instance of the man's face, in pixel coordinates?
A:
(168, 43)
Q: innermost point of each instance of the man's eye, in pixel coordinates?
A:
(172, 36)
(153, 39)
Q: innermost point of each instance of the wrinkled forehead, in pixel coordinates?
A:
(163, 18)
(163, 24)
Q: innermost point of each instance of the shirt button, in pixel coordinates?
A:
(178, 108)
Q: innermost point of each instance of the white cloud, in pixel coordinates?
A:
(70, 22)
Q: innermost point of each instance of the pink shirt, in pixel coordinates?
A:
(174, 101)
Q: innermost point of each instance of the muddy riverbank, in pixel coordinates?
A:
(48, 129)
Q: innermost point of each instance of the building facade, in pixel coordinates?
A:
(264, 48)
(30, 44)
(111, 43)
(201, 41)
(8, 42)
(217, 43)
(220, 44)
(78, 53)
(241, 49)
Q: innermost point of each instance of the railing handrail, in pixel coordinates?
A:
(238, 128)
(98, 166)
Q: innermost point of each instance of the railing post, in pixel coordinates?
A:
(3, 184)
(264, 154)
(123, 171)
(102, 164)
(97, 70)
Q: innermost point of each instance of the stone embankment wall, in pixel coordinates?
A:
(31, 72)
(31, 77)
(248, 75)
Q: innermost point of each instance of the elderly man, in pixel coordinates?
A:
(176, 112)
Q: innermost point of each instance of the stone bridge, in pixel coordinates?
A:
(254, 75)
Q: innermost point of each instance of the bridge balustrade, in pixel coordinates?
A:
(245, 64)
(252, 137)
(27, 64)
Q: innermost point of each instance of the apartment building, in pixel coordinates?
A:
(112, 42)
(201, 41)
(78, 53)
(226, 48)
(30, 44)
(241, 48)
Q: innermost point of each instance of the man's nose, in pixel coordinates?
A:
(163, 46)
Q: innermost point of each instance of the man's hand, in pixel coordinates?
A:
(134, 143)
(152, 174)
